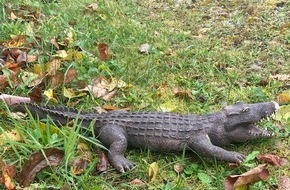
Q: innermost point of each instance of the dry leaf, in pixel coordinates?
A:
(49, 94)
(8, 173)
(254, 175)
(85, 156)
(52, 67)
(178, 92)
(69, 93)
(16, 41)
(103, 163)
(284, 183)
(137, 182)
(37, 161)
(12, 135)
(70, 75)
(284, 97)
(152, 171)
(144, 48)
(103, 51)
(178, 168)
(271, 159)
(109, 95)
(283, 113)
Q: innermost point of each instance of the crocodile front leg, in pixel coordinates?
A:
(201, 145)
(115, 139)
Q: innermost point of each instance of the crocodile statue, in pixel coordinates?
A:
(166, 132)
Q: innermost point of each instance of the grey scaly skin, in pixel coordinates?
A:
(166, 132)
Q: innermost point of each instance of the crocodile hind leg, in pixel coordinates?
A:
(201, 145)
(115, 139)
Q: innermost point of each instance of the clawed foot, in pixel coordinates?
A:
(121, 163)
(235, 157)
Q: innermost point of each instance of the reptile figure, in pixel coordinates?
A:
(166, 132)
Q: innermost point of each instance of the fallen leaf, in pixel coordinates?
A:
(36, 162)
(144, 48)
(49, 94)
(103, 163)
(283, 113)
(137, 182)
(161, 89)
(22, 58)
(271, 159)
(103, 51)
(284, 183)
(56, 79)
(81, 162)
(153, 170)
(8, 173)
(281, 77)
(54, 42)
(284, 97)
(69, 93)
(109, 95)
(167, 107)
(70, 75)
(178, 168)
(178, 92)
(52, 67)
(254, 175)
(16, 41)
(60, 54)
(12, 135)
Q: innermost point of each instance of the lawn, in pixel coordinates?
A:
(156, 55)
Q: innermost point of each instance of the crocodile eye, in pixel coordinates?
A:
(246, 109)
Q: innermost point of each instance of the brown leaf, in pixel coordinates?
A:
(32, 58)
(37, 162)
(161, 89)
(178, 168)
(5, 83)
(79, 165)
(284, 97)
(270, 158)
(109, 95)
(54, 42)
(22, 58)
(70, 75)
(284, 183)
(178, 92)
(103, 163)
(16, 41)
(137, 182)
(56, 79)
(103, 51)
(8, 172)
(52, 67)
(254, 175)
(36, 95)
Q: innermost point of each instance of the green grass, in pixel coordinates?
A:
(222, 51)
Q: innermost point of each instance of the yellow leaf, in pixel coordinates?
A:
(49, 94)
(167, 107)
(242, 187)
(283, 113)
(37, 68)
(52, 129)
(61, 54)
(12, 135)
(284, 97)
(153, 170)
(69, 93)
(74, 55)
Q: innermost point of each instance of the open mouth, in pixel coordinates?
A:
(255, 131)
